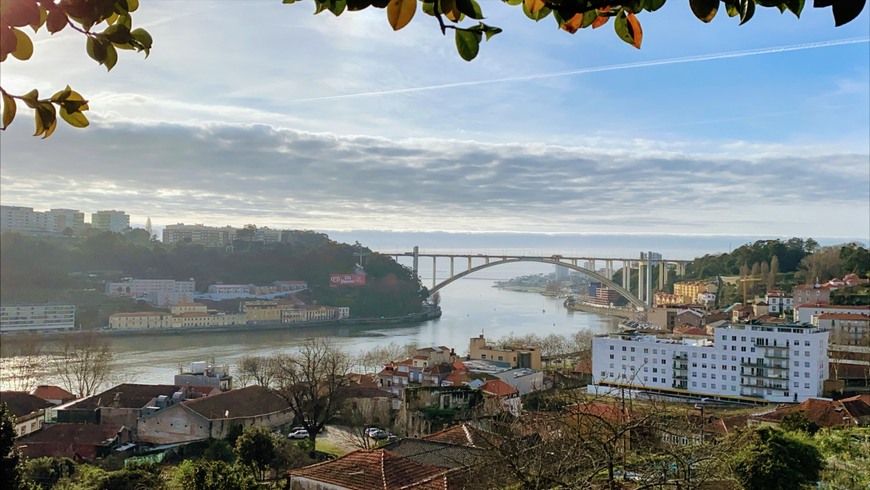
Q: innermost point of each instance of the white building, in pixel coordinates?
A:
(207, 236)
(160, 292)
(806, 313)
(21, 318)
(777, 363)
(778, 302)
(116, 221)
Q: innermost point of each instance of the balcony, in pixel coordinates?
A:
(681, 366)
(783, 367)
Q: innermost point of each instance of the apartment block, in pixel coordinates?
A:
(29, 222)
(516, 356)
(688, 292)
(812, 293)
(772, 362)
(22, 318)
(116, 221)
(159, 292)
(207, 236)
(140, 320)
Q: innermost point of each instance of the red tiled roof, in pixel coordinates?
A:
(844, 316)
(21, 403)
(139, 314)
(498, 388)
(84, 434)
(51, 392)
(834, 307)
(464, 435)
(243, 402)
(370, 470)
(824, 413)
(126, 395)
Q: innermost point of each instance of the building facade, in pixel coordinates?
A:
(778, 302)
(140, 320)
(29, 222)
(688, 291)
(812, 293)
(116, 221)
(22, 318)
(518, 357)
(207, 236)
(770, 362)
(160, 292)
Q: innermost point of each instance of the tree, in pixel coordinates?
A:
(257, 370)
(798, 422)
(312, 382)
(115, 20)
(213, 475)
(776, 460)
(10, 459)
(375, 359)
(46, 472)
(83, 16)
(84, 363)
(774, 271)
(820, 266)
(255, 449)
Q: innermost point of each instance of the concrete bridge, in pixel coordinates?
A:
(588, 265)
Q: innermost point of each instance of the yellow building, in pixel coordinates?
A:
(262, 311)
(179, 308)
(688, 292)
(525, 356)
(140, 320)
(309, 313)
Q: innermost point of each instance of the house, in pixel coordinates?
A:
(501, 397)
(812, 293)
(846, 328)
(27, 411)
(363, 399)
(213, 416)
(430, 408)
(778, 301)
(515, 356)
(118, 406)
(53, 394)
(376, 469)
(689, 317)
(76, 441)
(806, 312)
(823, 412)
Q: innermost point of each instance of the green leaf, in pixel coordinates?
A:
(132, 5)
(653, 5)
(490, 31)
(731, 8)
(588, 18)
(468, 43)
(747, 10)
(9, 108)
(470, 8)
(538, 14)
(795, 7)
(111, 56)
(31, 98)
(400, 12)
(96, 49)
(337, 6)
(117, 33)
(75, 118)
(846, 11)
(704, 10)
(46, 119)
(24, 47)
(512, 2)
(56, 20)
(628, 28)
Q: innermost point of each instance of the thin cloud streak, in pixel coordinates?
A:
(599, 69)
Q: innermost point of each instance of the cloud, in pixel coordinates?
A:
(239, 173)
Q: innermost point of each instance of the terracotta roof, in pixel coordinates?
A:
(127, 395)
(434, 453)
(844, 316)
(243, 402)
(824, 413)
(834, 307)
(22, 403)
(51, 392)
(84, 434)
(139, 314)
(370, 470)
(499, 388)
(464, 435)
(440, 368)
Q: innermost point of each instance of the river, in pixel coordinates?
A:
(471, 306)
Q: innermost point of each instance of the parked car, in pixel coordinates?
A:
(298, 433)
(372, 430)
(379, 434)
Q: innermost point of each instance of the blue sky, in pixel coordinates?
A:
(259, 112)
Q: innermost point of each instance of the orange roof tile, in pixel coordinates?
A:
(370, 470)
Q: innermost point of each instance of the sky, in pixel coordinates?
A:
(260, 112)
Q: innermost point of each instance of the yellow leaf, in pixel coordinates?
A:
(400, 12)
(24, 48)
(533, 6)
(75, 119)
(9, 108)
(448, 7)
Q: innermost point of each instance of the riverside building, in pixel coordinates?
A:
(753, 362)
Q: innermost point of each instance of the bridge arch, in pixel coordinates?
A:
(616, 287)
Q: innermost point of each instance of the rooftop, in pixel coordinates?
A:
(21, 403)
(370, 470)
(127, 395)
(243, 402)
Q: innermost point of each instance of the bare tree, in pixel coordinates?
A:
(312, 382)
(24, 368)
(258, 370)
(374, 360)
(84, 363)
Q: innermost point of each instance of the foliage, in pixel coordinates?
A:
(375, 359)
(255, 448)
(45, 269)
(114, 17)
(855, 259)
(312, 381)
(847, 457)
(46, 472)
(219, 450)
(820, 266)
(777, 460)
(289, 455)
(11, 473)
(213, 475)
(788, 255)
(569, 15)
(798, 422)
(146, 475)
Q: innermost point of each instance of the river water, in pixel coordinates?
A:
(470, 306)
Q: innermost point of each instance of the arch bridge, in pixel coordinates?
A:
(645, 265)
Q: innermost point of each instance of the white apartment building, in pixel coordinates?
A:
(773, 362)
(160, 292)
(21, 318)
(207, 236)
(778, 302)
(116, 221)
(27, 221)
(806, 313)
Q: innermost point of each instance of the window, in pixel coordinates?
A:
(703, 385)
(663, 361)
(655, 370)
(603, 373)
(644, 378)
(611, 365)
(713, 385)
(704, 355)
(797, 364)
(623, 348)
(694, 374)
(611, 356)
(724, 337)
(795, 374)
(694, 364)
(656, 351)
(694, 383)
(806, 364)
(714, 356)
(655, 380)
(743, 348)
(733, 338)
(733, 378)
(623, 357)
(734, 368)
(704, 375)
(646, 360)
(743, 339)
(694, 354)
(806, 374)
(645, 369)
(807, 385)
(704, 366)
(733, 347)
(646, 351)
(713, 375)
(734, 358)
(807, 353)
(806, 343)
(632, 358)
(611, 347)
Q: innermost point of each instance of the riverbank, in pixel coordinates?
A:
(619, 312)
(407, 320)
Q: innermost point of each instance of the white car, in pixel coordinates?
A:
(298, 433)
(372, 430)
